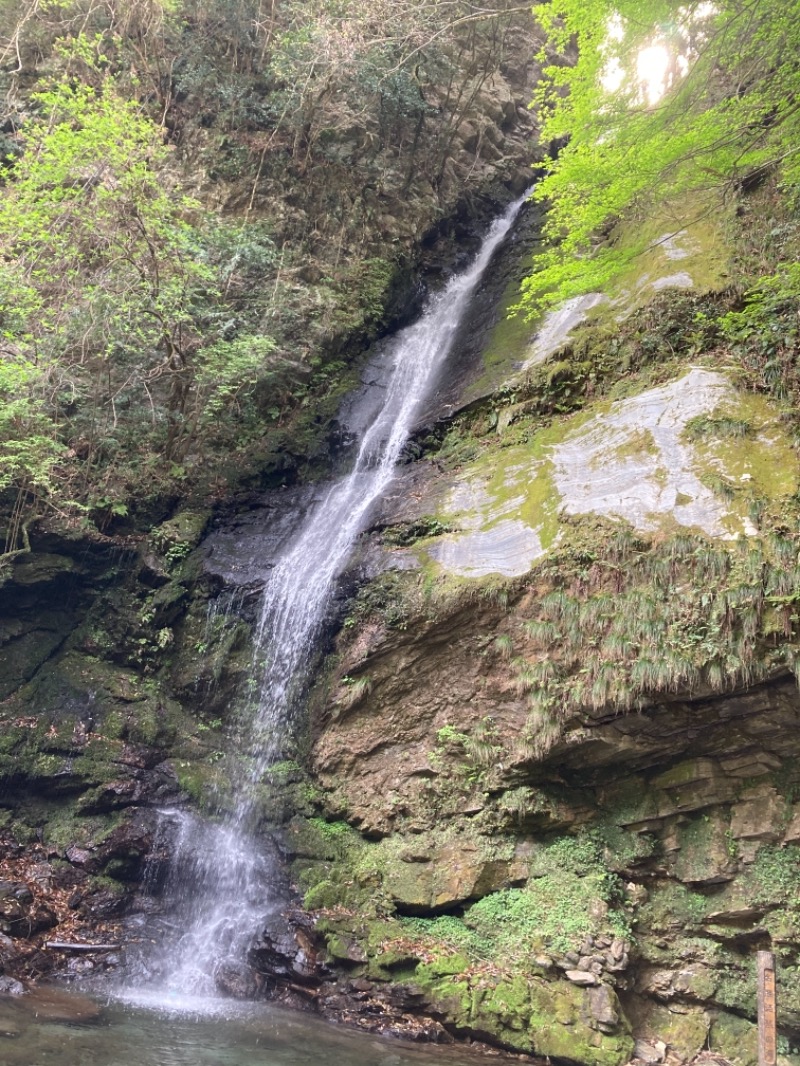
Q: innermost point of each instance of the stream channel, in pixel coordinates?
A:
(166, 1011)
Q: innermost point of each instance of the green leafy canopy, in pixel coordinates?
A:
(119, 343)
(729, 109)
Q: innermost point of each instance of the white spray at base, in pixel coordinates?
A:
(218, 874)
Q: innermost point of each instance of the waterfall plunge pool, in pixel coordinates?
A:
(50, 1027)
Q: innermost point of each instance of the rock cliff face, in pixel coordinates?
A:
(547, 798)
(629, 872)
(120, 656)
(556, 744)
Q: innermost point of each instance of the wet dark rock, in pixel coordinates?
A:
(139, 756)
(115, 794)
(143, 779)
(244, 550)
(288, 948)
(360, 985)
(397, 1010)
(21, 914)
(129, 843)
(237, 980)
(27, 651)
(82, 857)
(152, 571)
(603, 1006)
(80, 967)
(101, 903)
(15, 890)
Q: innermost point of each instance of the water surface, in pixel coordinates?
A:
(231, 1035)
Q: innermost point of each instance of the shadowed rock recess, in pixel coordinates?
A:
(544, 791)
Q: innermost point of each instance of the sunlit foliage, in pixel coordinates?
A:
(716, 108)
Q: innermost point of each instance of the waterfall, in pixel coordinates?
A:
(219, 875)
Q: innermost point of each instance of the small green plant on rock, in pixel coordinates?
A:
(570, 896)
(354, 689)
(448, 734)
(722, 426)
(504, 645)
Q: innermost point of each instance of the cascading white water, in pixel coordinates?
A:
(219, 869)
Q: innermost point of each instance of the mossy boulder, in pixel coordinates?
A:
(548, 1018)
